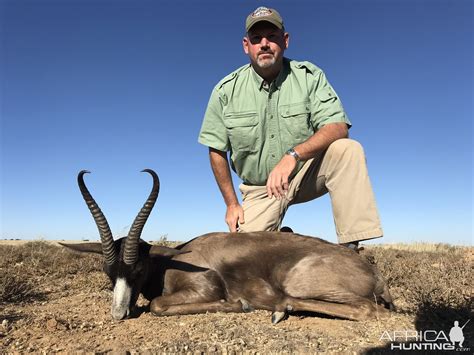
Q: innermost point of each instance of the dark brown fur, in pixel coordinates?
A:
(234, 272)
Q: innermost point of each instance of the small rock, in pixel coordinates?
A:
(52, 324)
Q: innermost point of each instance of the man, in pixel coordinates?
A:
(286, 131)
(456, 334)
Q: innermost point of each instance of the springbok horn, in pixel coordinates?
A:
(106, 238)
(130, 255)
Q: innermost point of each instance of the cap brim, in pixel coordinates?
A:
(272, 21)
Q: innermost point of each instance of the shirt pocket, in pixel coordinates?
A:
(326, 94)
(295, 122)
(242, 129)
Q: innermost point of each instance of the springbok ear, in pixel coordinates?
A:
(157, 250)
(84, 247)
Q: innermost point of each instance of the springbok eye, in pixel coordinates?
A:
(137, 271)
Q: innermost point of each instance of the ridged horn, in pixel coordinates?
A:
(130, 255)
(106, 238)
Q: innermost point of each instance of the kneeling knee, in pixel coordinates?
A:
(346, 145)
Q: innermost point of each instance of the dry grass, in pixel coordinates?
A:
(13, 288)
(25, 267)
(425, 247)
(434, 282)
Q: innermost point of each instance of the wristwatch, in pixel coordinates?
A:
(293, 153)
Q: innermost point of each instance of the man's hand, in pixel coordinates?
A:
(234, 216)
(277, 182)
(220, 167)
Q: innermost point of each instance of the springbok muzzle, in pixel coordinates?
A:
(121, 300)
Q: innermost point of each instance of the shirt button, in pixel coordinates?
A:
(273, 155)
(272, 136)
(271, 116)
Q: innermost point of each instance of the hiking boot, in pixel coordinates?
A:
(353, 246)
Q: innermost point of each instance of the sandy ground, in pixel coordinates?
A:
(71, 321)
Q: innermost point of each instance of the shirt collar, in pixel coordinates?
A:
(279, 79)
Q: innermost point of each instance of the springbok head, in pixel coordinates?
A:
(127, 260)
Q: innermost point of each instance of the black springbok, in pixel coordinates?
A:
(235, 272)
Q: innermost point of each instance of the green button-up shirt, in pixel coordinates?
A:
(259, 122)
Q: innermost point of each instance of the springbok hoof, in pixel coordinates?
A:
(278, 317)
(246, 307)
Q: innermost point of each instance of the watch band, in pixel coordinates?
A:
(293, 153)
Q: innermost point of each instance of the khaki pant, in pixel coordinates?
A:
(341, 171)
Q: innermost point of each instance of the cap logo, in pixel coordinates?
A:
(261, 11)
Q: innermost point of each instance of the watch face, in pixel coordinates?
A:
(293, 153)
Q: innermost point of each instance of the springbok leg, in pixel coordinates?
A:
(185, 302)
(196, 308)
(161, 307)
(361, 310)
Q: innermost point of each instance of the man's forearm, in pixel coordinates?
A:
(221, 170)
(321, 140)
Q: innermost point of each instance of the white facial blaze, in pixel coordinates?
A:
(121, 300)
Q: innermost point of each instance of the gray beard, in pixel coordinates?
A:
(264, 64)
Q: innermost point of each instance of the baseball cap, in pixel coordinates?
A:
(263, 13)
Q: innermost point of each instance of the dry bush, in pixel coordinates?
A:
(13, 288)
(24, 268)
(423, 246)
(433, 284)
(163, 241)
(43, 258)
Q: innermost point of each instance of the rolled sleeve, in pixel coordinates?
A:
(213, 131)
(326, 107)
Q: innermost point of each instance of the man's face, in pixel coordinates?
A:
(265, 44)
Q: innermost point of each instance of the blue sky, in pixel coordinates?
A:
(118, 86)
